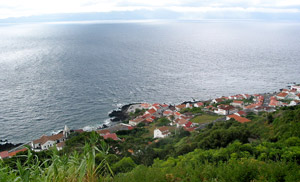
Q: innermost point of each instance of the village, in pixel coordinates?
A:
(163, 120)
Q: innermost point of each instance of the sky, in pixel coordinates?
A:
(189, 8)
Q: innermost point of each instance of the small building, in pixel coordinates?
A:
(241, 113)
(199, 104)
(4, 155)
(215, 101)
(226, 110)
(181, 122)
(136, 121)
(167, 113)
(237, 103)
(179, 107)
(294, 103)
(296, 87)
(282, 96)
(161, 132)
(111, 136)
(102, 132)
(45, 142)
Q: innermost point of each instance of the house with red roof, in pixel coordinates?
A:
(246, 96)
(237, 118)
(294, 102)
(4, 155)
(167, 113)
(45, 142)
(177, 115)
(179, 107)
(102, 132)
(136, 121)
(181, 122)
(282, 96)
(218, 100)
(226, 110)
(161, 132)
(237, 103)
(296, 87)
(145, 105)
(199, 104)
(274, 102)
(241, 113)
(111, 136)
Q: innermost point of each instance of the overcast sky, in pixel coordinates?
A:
(19, 8)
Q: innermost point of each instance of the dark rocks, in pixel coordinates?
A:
(8, 146)
(120, 114)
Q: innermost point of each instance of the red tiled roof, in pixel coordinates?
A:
(137, 120)
(11, 154)
(182, 121)
(152, 111)
(111, 135)
(146, 115)
(4, 154)
(45, 138)
(145, 105)
(164, 130)
(188, 124)
(167, 112)
(177, 113)
(242, 113)
(181, 106)
(219, 100)
(200, 103)
(165, 105)
(226, 107)
(273, 102)
(149, 120)
(239, 118)
(103, 132)
(238, 102)
(282, 94)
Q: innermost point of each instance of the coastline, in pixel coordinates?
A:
(121, 114)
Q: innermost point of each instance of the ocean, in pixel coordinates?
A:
(52, 74)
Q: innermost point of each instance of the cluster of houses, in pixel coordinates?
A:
(233, 107)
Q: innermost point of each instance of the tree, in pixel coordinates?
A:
(124, 165)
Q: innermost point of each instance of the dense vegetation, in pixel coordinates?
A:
(266, 149)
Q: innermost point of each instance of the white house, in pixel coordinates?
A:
(237, 103)
(226, 110)
(136, 121)
(294, 102)
(161, 132)
(45, 142)
(282, 95)
(198, 104)
(296, 87)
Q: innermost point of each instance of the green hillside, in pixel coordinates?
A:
(265, 149)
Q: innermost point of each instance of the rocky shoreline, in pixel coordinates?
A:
(120, 114)
(8, 146)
